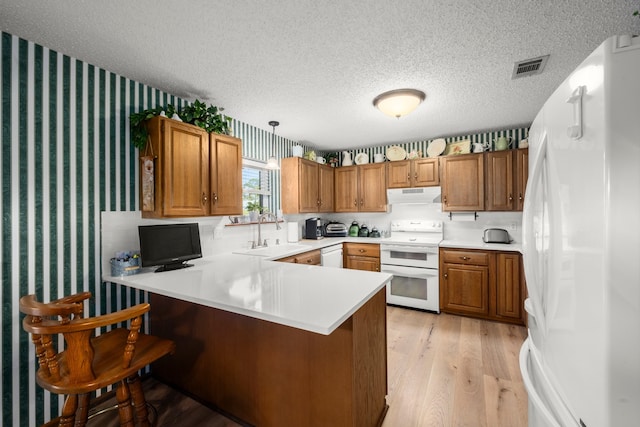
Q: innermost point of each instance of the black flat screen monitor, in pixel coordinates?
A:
(169, 246)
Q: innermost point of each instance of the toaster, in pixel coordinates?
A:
(335, 229)
(496, 235)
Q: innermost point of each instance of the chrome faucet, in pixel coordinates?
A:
(261, 219)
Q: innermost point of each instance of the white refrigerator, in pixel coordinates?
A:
(581, 246)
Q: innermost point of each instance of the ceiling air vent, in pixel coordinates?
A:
(529, 67)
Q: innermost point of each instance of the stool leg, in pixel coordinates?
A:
(139, 402)
(124, 405)
(69, 411)
(83, 410)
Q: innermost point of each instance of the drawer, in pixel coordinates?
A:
(464, 257)
(311, 258)
(362, 249)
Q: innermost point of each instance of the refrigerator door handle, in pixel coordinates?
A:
(534, 397)
(575, 131)
(528, 239)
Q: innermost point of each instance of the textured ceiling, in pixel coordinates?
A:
(316, 66)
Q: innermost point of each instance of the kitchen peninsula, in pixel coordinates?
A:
(271, 343)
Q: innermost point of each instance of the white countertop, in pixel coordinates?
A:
(472, 244)
(312, 298)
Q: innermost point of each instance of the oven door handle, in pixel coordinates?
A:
(412, 249)
(409, 272)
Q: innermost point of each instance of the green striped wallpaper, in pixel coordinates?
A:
(65, 158)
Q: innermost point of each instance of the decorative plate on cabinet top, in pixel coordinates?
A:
(396, 153)
(362, 158)
(436, 147)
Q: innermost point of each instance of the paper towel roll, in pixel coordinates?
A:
(292, 232)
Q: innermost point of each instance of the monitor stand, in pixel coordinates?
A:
(173, 266)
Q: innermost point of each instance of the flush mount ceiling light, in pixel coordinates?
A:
(272, 163)
(399, 102)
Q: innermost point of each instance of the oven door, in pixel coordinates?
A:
(413, 287)
(411, 256)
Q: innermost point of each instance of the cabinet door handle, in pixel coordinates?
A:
(510, 198)
(215, 197)
(444, 199)
(520, 197)
(361, 202)
(205, 199)
(408, 177)
(416, 175)
(355, 202)
(446, 276)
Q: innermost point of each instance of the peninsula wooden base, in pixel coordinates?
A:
(268, 374)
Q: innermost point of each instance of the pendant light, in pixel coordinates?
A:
(272, 163)
(399, 102)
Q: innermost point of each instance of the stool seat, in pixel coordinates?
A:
(89, 362)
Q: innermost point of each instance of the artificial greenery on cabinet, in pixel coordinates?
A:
(209, 118)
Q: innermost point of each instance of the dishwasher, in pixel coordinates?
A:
(332, 256)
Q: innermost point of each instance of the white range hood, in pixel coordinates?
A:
(397, 196)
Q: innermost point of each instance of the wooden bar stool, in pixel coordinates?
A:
(90, 362)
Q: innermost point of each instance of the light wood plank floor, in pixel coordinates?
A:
(444, 370)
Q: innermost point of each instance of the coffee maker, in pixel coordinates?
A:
(313, 229)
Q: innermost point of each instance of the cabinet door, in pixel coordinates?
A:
(509, 288)
(309, 199)
(522, 175)
(346, 189)
(226, 174)
(372, 187)
(185, 170)
(325, 188)
(399, 174)
(465, 289)
(500, 174)
(463, 183)
(425, 172)
(362, 263)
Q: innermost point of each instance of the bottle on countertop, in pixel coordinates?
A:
(364, 231)
(374, 232)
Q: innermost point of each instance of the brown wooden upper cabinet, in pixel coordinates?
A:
(522, 175)
(462, 182)
(195, 174)
(413, 173)
(306, 186)
(361, 188)
(506, 173)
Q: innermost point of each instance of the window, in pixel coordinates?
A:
(256, 185)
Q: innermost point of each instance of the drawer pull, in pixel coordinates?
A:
(362, 250)
(465, 258)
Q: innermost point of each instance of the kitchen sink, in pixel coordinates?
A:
(275, 251)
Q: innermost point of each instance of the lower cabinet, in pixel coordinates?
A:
(309, 258)
(361, 256)
(484, 284)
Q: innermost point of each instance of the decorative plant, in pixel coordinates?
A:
(332, 159)
(209, 118)
(254, 207)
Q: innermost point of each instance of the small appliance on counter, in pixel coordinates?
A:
(335, 229)
(313, 228)
(496, 235)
